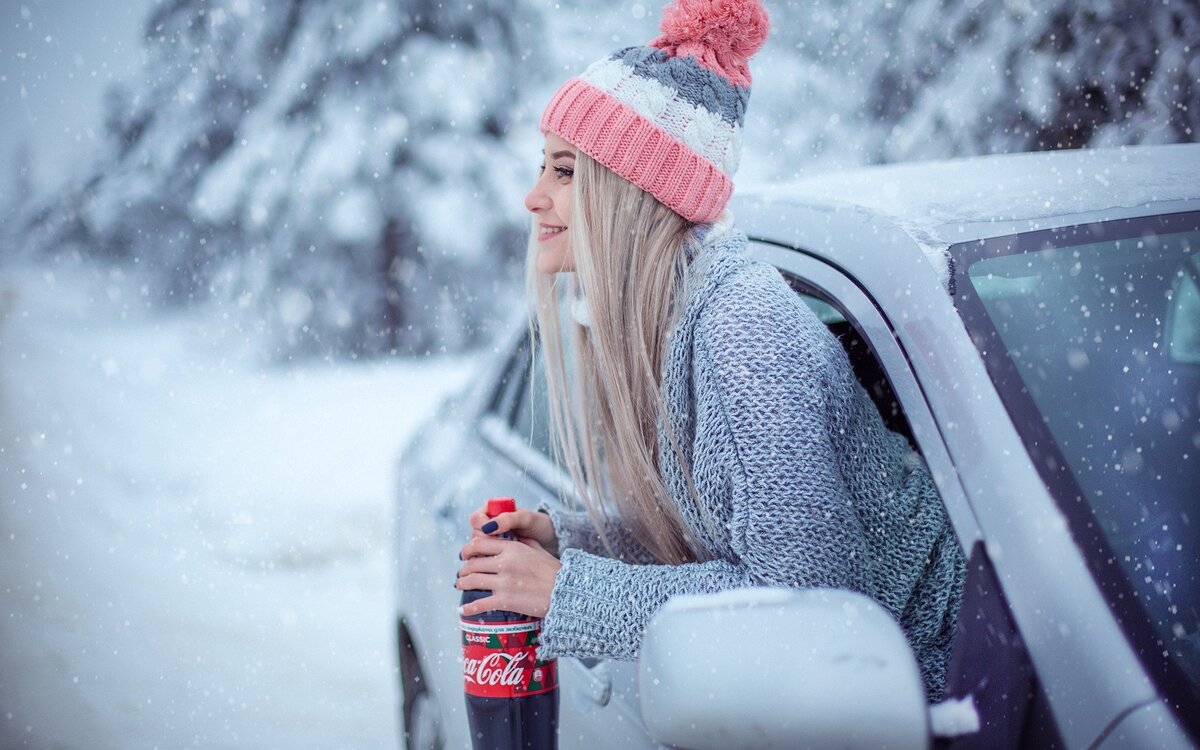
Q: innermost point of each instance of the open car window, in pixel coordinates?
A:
(867, 368)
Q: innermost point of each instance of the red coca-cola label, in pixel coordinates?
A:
(500, 659)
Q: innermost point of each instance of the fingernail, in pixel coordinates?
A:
(489, 527)
(460, 610)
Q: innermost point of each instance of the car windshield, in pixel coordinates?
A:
(1092, 336)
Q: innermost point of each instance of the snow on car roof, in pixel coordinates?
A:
(926, 198)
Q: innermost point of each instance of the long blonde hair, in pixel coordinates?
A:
(630, 266)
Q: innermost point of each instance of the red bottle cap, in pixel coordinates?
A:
(498, 505)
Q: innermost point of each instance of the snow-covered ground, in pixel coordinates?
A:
(194, 550)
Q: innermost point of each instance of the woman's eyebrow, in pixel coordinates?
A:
(561, 154)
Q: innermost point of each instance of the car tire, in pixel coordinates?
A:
(424, 722)
(421, 720)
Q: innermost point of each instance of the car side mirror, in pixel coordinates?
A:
(776, 667)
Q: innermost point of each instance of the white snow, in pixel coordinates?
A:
(954, 717)
(356, 217)
(785, 667)
(194, 551)
(928, 200)
(927, 196)
(758, 596)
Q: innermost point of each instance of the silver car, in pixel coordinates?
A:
(1032, 323)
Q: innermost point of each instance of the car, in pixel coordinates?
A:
(1031, 322)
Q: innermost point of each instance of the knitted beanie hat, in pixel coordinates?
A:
(668, 116)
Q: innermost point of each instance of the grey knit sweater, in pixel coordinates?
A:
(799, 481)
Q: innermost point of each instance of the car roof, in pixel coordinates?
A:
(944, 202)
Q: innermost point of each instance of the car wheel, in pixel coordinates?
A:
(421, 720)
(424, 724)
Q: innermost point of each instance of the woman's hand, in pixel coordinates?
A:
(530, 524)
(519, 573)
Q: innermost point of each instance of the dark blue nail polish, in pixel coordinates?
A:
(489, 527)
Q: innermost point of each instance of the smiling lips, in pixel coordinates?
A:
(546, 231)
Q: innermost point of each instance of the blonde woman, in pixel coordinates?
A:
(713, 428)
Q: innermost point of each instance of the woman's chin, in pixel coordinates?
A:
(552, 261)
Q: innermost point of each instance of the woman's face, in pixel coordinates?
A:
(550, 203)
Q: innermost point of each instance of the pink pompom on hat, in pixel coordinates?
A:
(668, 116)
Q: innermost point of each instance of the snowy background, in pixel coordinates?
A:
(246, 246)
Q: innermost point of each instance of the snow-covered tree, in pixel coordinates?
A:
(16, 192)
(20, 184)
(345, 176)
(336, 172)
(983, 77)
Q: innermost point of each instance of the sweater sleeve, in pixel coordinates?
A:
(792, 521)
(575, 530)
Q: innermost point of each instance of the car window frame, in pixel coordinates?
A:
(880, 337)
(497, 427)
(526, 403)
(1097, 552)
(505, 393)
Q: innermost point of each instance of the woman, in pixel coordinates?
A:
(713, 428)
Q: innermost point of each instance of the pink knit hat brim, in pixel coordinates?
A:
(620, 138)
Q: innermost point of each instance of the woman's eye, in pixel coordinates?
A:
(565, 172)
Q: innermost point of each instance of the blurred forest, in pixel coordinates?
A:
(344, 178)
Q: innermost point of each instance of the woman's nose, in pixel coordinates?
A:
(536, 199)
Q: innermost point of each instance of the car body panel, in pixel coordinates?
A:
(929, 200)
(1149, 725)
(1091, 674)
(887, 264)
(601, 693)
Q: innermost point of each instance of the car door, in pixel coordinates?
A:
(990, 664)
(597, 697)
(600, 697)
(463, 475)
